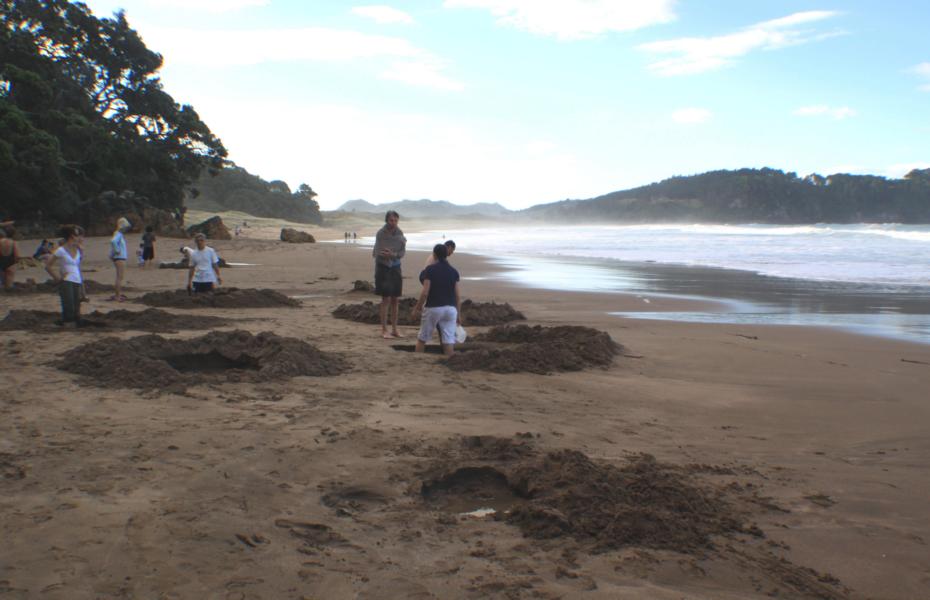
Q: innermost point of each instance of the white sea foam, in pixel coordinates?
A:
(886, 254)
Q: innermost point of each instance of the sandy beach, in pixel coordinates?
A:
(773, 461)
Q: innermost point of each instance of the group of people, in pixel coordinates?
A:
(64, 266)
(439, 303)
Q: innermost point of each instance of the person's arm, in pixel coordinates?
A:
(48, 268)
(422, 300)
(403, 248)
(379, 240)
(190, 274)
(458, 305)
(216, 268)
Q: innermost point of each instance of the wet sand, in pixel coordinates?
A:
(810, 441)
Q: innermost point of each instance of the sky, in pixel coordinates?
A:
(524, 102)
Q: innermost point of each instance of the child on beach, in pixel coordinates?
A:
(140, 259)
(71, 283)
(119, 256)
(148, 246)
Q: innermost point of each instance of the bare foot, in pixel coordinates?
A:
(396, 334)
(385, 335)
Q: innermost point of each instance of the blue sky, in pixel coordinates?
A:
(529, 101)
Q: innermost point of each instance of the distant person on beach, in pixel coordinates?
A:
(354, 236)
(9, 255)
(439, 302)
(390, 247)
(119, 255)
(204, 273)
(140, 256)
(148, 245)
(42, 251)
(70, 282)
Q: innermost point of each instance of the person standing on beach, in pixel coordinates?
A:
(390, 247)
(431, 259)
(204, 272)
(118, 254)
(148, 245)
(69, 279)
(9, 256)
(442, 301)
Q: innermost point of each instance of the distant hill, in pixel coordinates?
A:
(234, 188)
(427, 208)
(755, 196)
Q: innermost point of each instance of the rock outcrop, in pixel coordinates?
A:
(294, 236)
(213, 228)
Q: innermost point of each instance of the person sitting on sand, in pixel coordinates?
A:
(119, 255)
(204, 272)
(42, 251)
(9, 256)
(148, 246)
(390, 247)
(71, 284)
(442, 301)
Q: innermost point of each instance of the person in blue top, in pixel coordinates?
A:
(439, 302)
(119, 254)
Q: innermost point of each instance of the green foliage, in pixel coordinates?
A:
(759, 196)
(82, 111)
(234, 188)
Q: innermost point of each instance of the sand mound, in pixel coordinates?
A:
(541, 350)
(50, 287)
(643, 503)
(476, 314)
(150, 319)
(154, 362)
(221, 298)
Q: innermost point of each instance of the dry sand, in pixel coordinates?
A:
(707, 461)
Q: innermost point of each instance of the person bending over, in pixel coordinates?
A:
(390, 247)
(204, 272)
(439, 302)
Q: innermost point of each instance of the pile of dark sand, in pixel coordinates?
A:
(51, 287)
(475, 314)
(154, 362)
(150, 319)
(220, 298)
(643, 503)
(542, 350)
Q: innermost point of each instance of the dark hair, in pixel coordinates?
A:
(450, 245)
(69, 231)
(389, 214)
(440, 252)
(149, 229)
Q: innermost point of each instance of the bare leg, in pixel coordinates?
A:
(383, 311)
(8, 277)
(395, 305)
(448, 349)
(420, 347)
(120, 267)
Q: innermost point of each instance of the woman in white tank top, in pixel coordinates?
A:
(70, 281)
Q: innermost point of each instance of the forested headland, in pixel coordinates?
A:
(756, 196)
(234, 188)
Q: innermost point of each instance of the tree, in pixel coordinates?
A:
(81, 95)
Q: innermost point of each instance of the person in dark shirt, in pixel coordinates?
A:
(439, 302)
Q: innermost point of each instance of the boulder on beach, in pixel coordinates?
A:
(361, 285)
(213, 228)
(295, 236)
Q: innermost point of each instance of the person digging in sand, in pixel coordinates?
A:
(70, 282)
(118, 254)
(440, 296)
(204, 272)
(390, 247)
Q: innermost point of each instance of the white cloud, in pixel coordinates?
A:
(573, 19)
(901, 169)
(231, 48)
(423, 74)
(822, 110)
(922, 70)
(690, 116)
(385, 15)
(700, 54)
(212, 6)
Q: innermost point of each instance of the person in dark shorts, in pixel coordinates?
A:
(70, 281)
(441, 299)
(148, 246)
(390, 247)
(204, 272)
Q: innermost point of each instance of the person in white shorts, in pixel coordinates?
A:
(439, 302)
